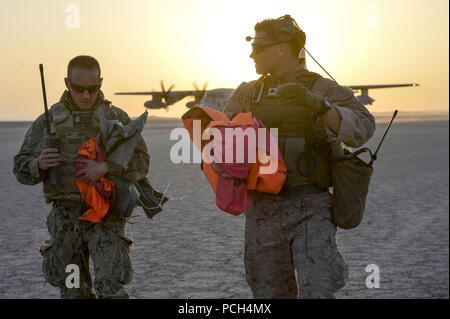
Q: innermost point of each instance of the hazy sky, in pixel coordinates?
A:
(139, 42)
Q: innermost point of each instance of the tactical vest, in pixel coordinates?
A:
(295, 134)
(72, 129)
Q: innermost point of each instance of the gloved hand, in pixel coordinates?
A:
(293, 93)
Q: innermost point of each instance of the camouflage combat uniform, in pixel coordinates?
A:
(73, 240)
(290, 244)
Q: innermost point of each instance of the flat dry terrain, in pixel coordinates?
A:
(194, 250)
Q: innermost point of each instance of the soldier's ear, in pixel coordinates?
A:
(100, 81)
(66, 81)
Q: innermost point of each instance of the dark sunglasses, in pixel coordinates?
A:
(259, 48)
(80, 88)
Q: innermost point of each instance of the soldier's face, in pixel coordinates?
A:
(84, 86)
(264, 53)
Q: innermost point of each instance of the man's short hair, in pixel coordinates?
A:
(84, 62)
(268, 26)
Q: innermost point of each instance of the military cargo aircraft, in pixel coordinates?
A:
(217, 98)
(164, 98)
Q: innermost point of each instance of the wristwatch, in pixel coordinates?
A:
(326, 105)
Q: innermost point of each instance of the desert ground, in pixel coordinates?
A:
(194, 250)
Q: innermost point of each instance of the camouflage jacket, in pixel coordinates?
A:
(357, 125)
(26, 161)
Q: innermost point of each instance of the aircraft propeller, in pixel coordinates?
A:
(165, 94)
(203, 90)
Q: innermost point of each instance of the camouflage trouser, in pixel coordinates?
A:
(290, 248)
(73, 241)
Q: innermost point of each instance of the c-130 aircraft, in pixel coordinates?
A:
(216, 98)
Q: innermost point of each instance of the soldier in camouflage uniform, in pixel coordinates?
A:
(290, 244)
(75, 119)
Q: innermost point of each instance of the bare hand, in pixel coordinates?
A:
(49, 158)
(93, 172)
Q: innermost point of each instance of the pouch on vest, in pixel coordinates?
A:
(292, 149)
(351, 179)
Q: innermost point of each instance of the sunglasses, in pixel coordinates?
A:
(259, 48)
(80, 88)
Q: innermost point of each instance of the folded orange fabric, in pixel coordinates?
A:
(99, 195)
(233, 181)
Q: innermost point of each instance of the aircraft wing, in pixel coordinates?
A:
(162, 99)
(381, 86)
(192, 92)
(216, 98)
(366, 99)
(136, 93)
